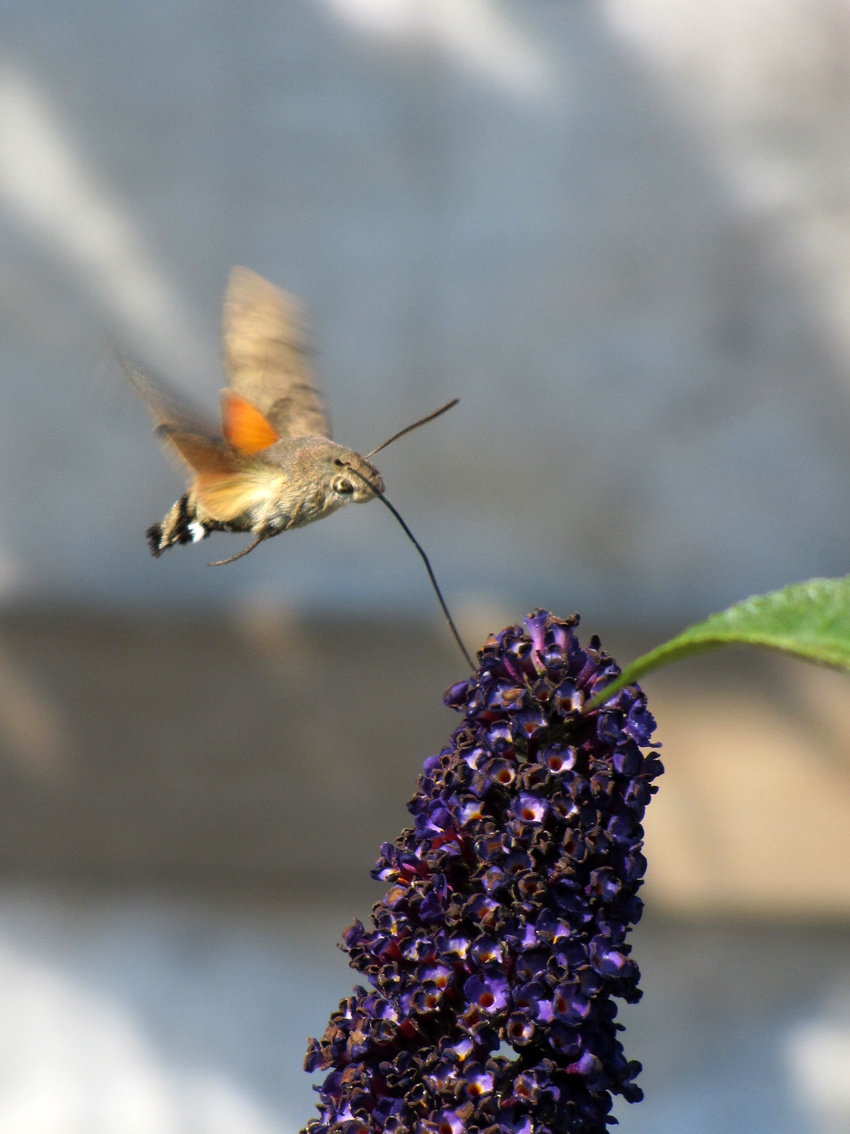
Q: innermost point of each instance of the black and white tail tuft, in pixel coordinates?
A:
(180, 525)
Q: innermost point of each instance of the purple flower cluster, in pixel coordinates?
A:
(500, 945)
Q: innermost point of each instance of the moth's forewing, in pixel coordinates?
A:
(267, 347)
(202, 452)
(165, 406)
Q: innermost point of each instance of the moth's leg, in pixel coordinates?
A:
(239, 554)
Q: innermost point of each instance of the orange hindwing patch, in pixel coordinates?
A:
(243, 425)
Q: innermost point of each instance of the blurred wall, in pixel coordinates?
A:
(618, 231)
(274, 756)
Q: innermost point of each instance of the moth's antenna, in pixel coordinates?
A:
(410, 536)
(238, 555)
(409, 429)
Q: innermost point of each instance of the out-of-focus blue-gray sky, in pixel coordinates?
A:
(619, 231)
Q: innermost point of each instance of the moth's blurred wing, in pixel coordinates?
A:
(267, 355)
(226, 483)
(201, 451)
(243, 425)
(164, 405)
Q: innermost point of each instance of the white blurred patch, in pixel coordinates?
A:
(46, 185)
(819, 1057)
(73, 1060)
(760, 86)
(472, 31)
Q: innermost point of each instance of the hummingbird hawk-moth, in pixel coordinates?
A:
(273, 466)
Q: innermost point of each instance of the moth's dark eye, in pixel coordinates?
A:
(341, 485)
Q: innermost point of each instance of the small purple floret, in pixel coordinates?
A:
(497, 952)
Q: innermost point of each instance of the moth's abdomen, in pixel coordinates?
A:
(181, 525)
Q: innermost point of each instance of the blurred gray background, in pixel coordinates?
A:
(620, 232)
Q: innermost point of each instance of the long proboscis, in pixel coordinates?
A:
(418, 547)
(416, 424)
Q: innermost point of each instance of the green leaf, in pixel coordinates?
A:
(811, 620)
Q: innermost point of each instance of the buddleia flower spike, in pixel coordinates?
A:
(497, 955)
